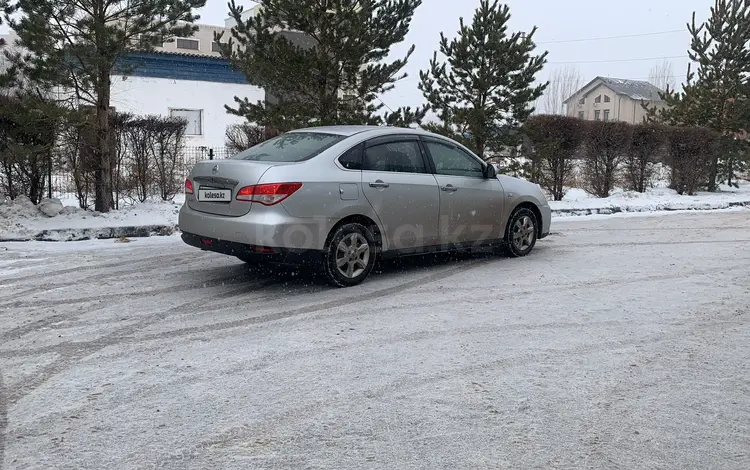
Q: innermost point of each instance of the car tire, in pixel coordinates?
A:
(521, 233)
(350, 255)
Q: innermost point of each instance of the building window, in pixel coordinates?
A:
(598, 99)
(191, 44)
(598, 115)
(606, 115)
(215, 47)
(580, 115)
(606, 99)
(582, 101)
(194, 118)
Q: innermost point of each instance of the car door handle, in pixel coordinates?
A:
(379, 184)
(449, 188)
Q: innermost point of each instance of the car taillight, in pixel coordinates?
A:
(188, 187)
(267, 194)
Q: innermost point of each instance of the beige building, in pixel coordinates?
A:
(613, 99)
(200, 43)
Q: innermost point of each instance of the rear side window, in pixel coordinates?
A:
(290, 147)
(401, 157)
(352, 158)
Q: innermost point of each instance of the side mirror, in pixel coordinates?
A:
(489, 171)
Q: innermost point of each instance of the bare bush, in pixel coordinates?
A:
(168, 141)
(553, 142)
(140, 141)
(645, 151)
(149, 157)
(606, 144)
(70, 151)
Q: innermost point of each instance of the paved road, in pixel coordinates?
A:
(620, 343)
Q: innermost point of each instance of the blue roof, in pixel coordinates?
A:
(179, 67)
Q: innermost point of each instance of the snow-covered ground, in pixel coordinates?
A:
(578, 202)
(619, 343)
(22, 220)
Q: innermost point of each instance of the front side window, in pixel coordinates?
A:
(401, 157)
(290, 147)
(451, 160)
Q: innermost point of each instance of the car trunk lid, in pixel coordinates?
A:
(216, 183)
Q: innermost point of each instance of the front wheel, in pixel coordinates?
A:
(350, 255)
(521, 233)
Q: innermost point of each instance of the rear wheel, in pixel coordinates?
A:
(350, 255)
(521, 233)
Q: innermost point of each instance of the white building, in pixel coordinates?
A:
(195, 87)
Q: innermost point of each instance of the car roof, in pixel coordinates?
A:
(349, 130)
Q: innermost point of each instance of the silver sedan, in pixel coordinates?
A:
(345, 196)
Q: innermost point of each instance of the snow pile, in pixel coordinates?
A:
(578, 202)
(20, 219)
(575, 194)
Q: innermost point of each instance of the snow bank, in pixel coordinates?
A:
(578, 202)
(20, 219)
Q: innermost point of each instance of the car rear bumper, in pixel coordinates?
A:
(251, 253)
(270, 227)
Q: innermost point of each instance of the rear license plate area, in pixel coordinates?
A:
(214, 195)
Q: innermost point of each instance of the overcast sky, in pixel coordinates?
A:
(561, 24)
(656, 30)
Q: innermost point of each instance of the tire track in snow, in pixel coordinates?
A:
(153, 261)
(47, 321)
(121, 335)
(314, 308)
(231, 279)
(70, 353)
(215, 327)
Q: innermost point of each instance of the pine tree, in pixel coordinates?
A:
(75, 45)
(486, 88)
(320, 62)
(721, 48)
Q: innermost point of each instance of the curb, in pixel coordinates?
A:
(666, 208)
(101, 233)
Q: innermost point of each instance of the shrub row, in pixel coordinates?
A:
(613, 153)
(146, 154)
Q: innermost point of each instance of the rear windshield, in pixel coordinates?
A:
(291, 147)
